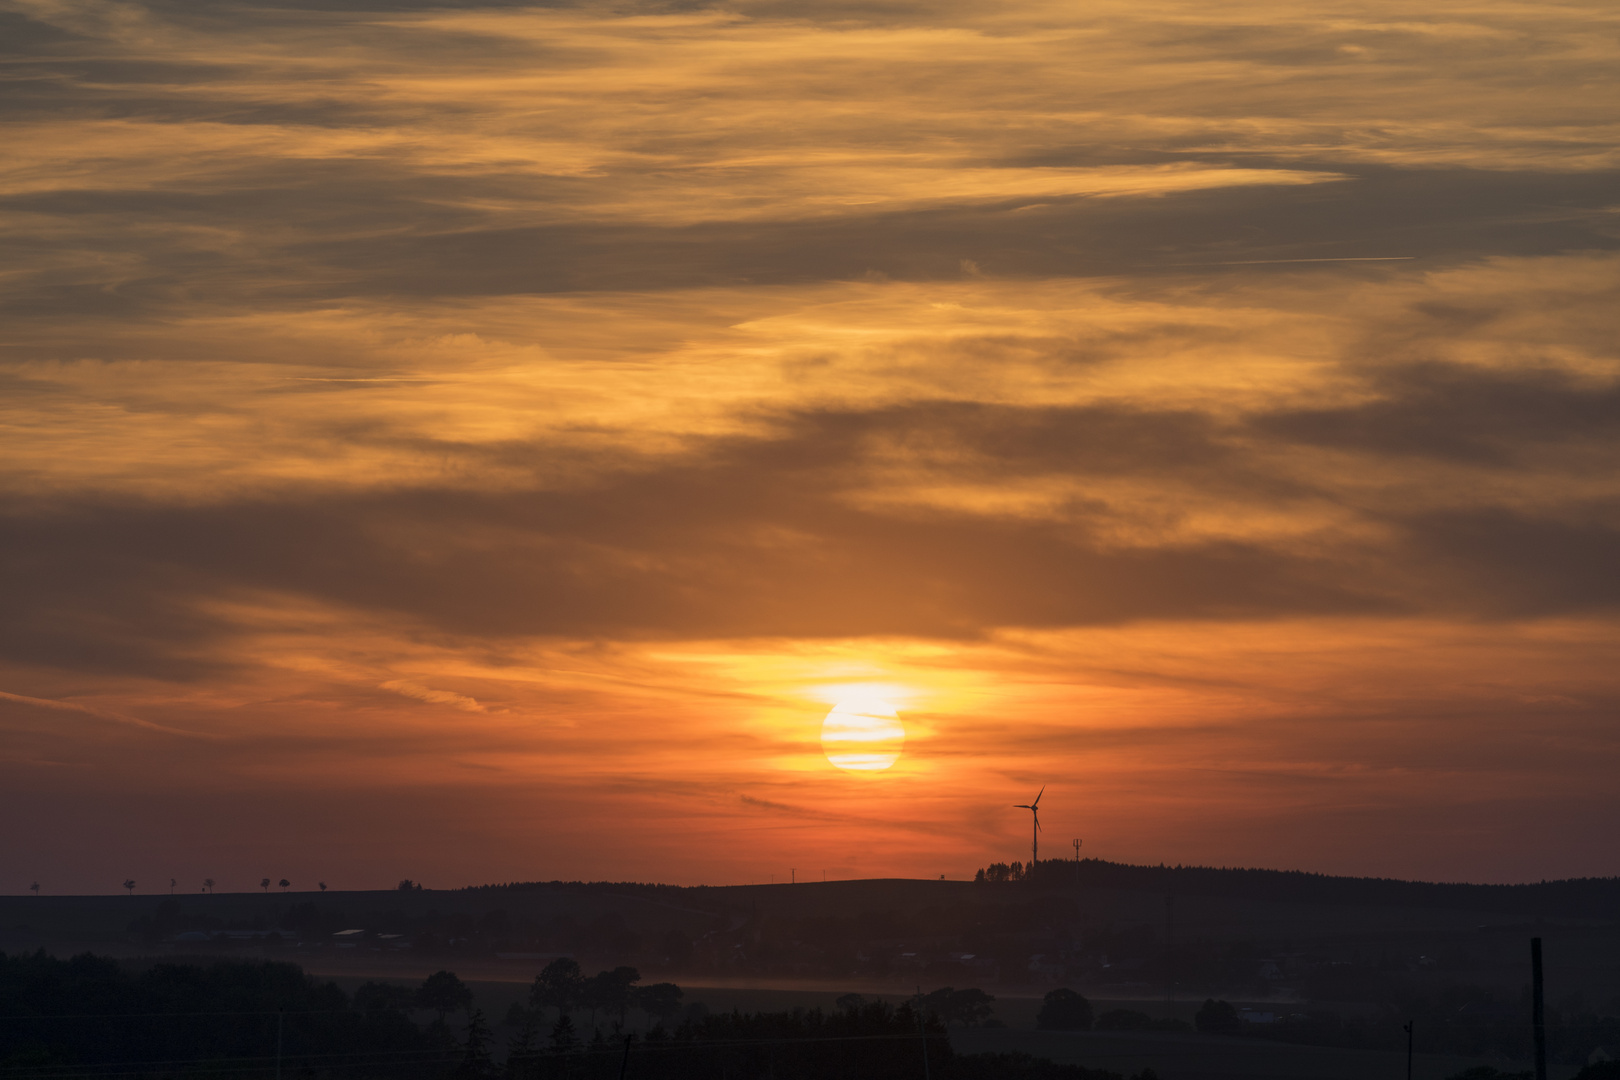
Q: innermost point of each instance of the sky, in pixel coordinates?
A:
(482, 442)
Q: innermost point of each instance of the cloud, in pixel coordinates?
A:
(651, 370)
(100, 714)
(435, 697)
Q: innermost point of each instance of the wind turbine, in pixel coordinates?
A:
(1035, 834)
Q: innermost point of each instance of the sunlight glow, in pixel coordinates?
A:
(862, 735)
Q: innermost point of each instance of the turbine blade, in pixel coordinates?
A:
(1038, 796)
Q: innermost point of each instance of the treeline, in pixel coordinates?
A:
(1438, 1028)
(92, 1016)
(431, 931)
(1573, 898)
(860, 1040)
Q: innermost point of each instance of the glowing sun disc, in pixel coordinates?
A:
(862, 735)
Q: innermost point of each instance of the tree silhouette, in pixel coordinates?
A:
(1218, 1018)
(284, 883)
(1064, 1010)
(476, 1060)
(265, 884)
(322, 884)
(560, 986)
(965, 1007)
(129, 883)
(171, 886)
(35, 887)
(443, 993)
(610, 991)
(208, 883)
(520, 1048)
(660, 1000)
(563, 1038)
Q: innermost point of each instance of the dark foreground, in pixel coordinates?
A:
(91, 1016)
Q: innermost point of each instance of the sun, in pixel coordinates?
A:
(862, 735)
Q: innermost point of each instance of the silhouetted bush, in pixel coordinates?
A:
(1064, 1010)
(1124, 1020)
(90, 1012)
(1217, 1018)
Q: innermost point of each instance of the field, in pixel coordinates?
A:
(1309, 947)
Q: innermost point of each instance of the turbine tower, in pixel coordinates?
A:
(1035, 834)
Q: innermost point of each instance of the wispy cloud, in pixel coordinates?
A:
(433, 697)
(1194, 407)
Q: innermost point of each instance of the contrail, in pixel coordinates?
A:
(101, 714)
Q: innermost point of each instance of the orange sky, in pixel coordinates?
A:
(482, 444)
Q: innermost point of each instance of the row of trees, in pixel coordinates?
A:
(207, 885)
(563, 986)
(1067, 1010)
(859, 1040)
(270, 1019)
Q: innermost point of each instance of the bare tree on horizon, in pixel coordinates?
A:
(129, 883)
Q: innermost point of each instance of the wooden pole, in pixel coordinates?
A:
(1538, 1011)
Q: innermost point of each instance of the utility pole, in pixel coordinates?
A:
(1169, 946)
(1538, 1012)
(793, 876)
(923, 1031)
(1077, 862)
(1408, 1030)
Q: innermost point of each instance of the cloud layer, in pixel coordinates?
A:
(549, 412)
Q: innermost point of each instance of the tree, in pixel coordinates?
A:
(610, 991)
(265, 884)
(1124, 1020)
(559, 986)
(129, 883)
(1064, 1010)
(563, 1038)
(208, 883)
(965, 1007)
(171, 886)
(475, 1058)
(659, 1000)
(407, 885)
(520, 1048)
(443, 993)
(35, 887)
(322, 884)
(1217, 1018)
(970, 1007)
(284, 883)
(378, 997)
